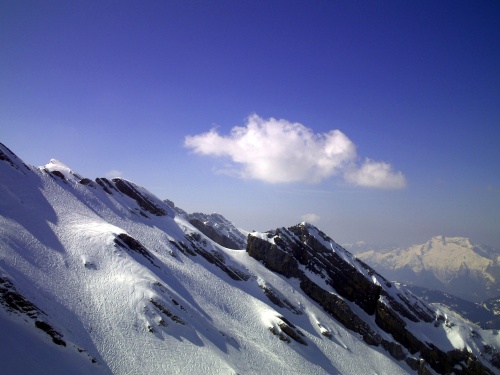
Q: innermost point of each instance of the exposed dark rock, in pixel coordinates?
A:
(218, 229)
(372, 272)
(166, 312)
(395, 350)
(293, 332)
(414, 363)
(287, 252)
(455, 361)
(279, 300)
(324, 331)
(105, 184)
(395, 305)
(340, 310)
(387, 319)
(290, 251)
(343, 277)
(183, 248)
(143, 201)
(214, 235)
(7, 155)
(216, 258)
(288, 331)
(159, 286)
(351, 284)
(49, 330)
(493, 354)
(280, 335)
(273, 257)
(241, 274)
(125, 241)
(87, 182)
(12, 300)
(4, 157)
(418, 312)
(177, 210)
(58, 174)
(90, 265)
(178, 304)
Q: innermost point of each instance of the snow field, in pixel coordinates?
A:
(176, 314)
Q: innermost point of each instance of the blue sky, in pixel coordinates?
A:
(378, 121)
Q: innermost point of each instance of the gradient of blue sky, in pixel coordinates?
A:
(118, 85)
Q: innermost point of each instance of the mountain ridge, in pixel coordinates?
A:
(451, 264)
(123, 278)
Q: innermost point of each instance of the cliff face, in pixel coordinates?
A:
(218, 229)
(96, 273)
(343, 285)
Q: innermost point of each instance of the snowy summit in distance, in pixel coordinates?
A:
(450, 264)
(102, 277)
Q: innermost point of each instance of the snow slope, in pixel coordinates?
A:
(100, 277)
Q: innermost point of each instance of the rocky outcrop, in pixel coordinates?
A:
(163, 310)
(285, 331)
(216, 258)
(218, 229)
(126, 242)
(342, 282)
(9, 157)
(340, 310)
(223, 291)
(275, 297)
(142, 200)
(105, 184)
(213, 234)
(14, 302)
(273, 257)
(86, 182)
(145, 202)
(49, 330)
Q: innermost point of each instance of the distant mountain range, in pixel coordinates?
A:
(450, 264)
(486, 314)
(102, 277)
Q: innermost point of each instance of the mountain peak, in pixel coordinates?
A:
(459, 241)
(450, 264)
(60, 169)
(93, 274)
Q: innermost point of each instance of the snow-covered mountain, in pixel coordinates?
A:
(450, 264)
(100, 276)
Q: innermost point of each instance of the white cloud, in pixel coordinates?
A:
(114, 173)
(278, 151)
(377, 175)
(311, 218)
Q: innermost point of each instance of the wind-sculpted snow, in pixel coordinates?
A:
(132, 286)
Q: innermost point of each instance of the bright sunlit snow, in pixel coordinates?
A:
(118, 284)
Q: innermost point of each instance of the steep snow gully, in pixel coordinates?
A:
(100, 276)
